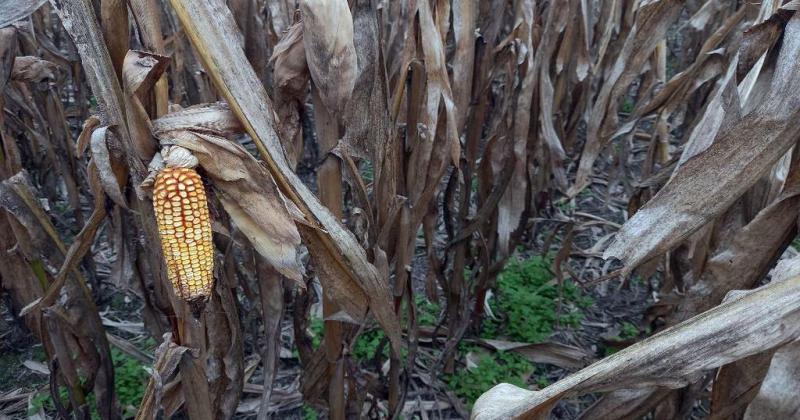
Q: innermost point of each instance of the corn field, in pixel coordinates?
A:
(417, 209)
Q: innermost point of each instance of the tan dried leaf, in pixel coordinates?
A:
(291, 76)
(33, 69)
(114, 24)
(561, 355)
(214, 119)
(512, 204)
(106, 155)
(465, 22)
(82, 144)
(141, 70)
(369, 131)
(179, 157)
(330, 52)
(291, 72)
(14, 10)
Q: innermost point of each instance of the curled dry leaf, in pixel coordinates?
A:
(625, 403)
(33, 69)
(331, 55)
(561, 355)
(8, 51)
(255, 26)
(437, 145)
(763, 319)
(140, 73)
(758, 39)
(179, 157)
(84, 138)
(706, 67)
(289, 61)
(141, 70)
(368, 134)
(290, 75)
(737, 383)
(439, 92)
(351, 299)
(244, 187)
(114, 24)
(39, 239)
(148, 20)
(168, 357)
(724, 104)
(557, 19)
(465, 22)
(749, 254)
(111, 169)
(214, 119)
(704, 15)
(28, 220)
(512, 203)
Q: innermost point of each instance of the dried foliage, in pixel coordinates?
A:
(369, 156)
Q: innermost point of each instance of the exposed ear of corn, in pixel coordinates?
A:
(179, 200)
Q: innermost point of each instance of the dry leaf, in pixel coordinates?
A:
(561, 355)
(33, 69)
(291, 71)
(113, 174)
(330, 53)
(744, 150)
(14, 10)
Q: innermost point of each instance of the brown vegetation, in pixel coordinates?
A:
(375, 156)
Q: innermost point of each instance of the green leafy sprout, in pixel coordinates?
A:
(491, 370)
(528, 297)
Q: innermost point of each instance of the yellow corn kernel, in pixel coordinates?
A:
(179, 201)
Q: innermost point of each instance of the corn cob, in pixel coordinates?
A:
(179, 200)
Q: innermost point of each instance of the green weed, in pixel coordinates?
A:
(628, 331)
(566, 206)
(627, 106)
(367, 343)
(309, 413)
(367, 173)
(491, 370)
(542, 382)
(316, 327)
(796, 243)
(528, 298)
(427, 312)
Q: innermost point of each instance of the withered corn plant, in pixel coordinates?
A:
(245, 162)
